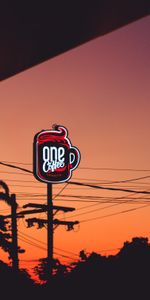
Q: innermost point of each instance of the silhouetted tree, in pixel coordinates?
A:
(83, 255)
(121, 276)
(42, 270)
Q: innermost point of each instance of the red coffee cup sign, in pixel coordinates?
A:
(54, 156)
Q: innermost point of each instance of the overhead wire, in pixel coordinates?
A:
(77, 183)
(114, 214)
(115, 169)
(43, 243)
(84, 184)
(88, 180)
(89, 168)
(28, 241)
(105, 207)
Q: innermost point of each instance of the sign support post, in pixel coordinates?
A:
(54, 159)
(50, 229)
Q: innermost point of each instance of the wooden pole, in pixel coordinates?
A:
(50, 230)
(15, 260)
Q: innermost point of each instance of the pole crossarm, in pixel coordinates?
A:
(58, 222)
(42, 222)
(26, 212)
(42, 208)
(45, 207)
(35, 205)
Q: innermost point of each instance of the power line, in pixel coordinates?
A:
(94, 201)
(19, 180)
(108, 188)
(115, 169)
(95, 210)
(41, 242)
(37, 186)
(88, 168)
(15, 162)
(16, 167)
(30, 242)
(128, 180)
(67, 251)
(114, 214)
(80, 197)
(64, 187)
(37, 197)
(28, 186)
(15, 173)
(96, 181)
(88, 185)
(62, 255)
(83, 184)
(106, 207)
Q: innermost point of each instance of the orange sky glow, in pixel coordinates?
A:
(100, 92)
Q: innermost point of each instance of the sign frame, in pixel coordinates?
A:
(59, 134)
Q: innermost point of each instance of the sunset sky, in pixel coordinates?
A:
(100, 91)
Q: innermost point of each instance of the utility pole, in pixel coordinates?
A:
(50, 222)
(15, 260)
(14, 250)
(11, 201)
(49, 229)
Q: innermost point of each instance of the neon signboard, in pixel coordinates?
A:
(54, 157)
